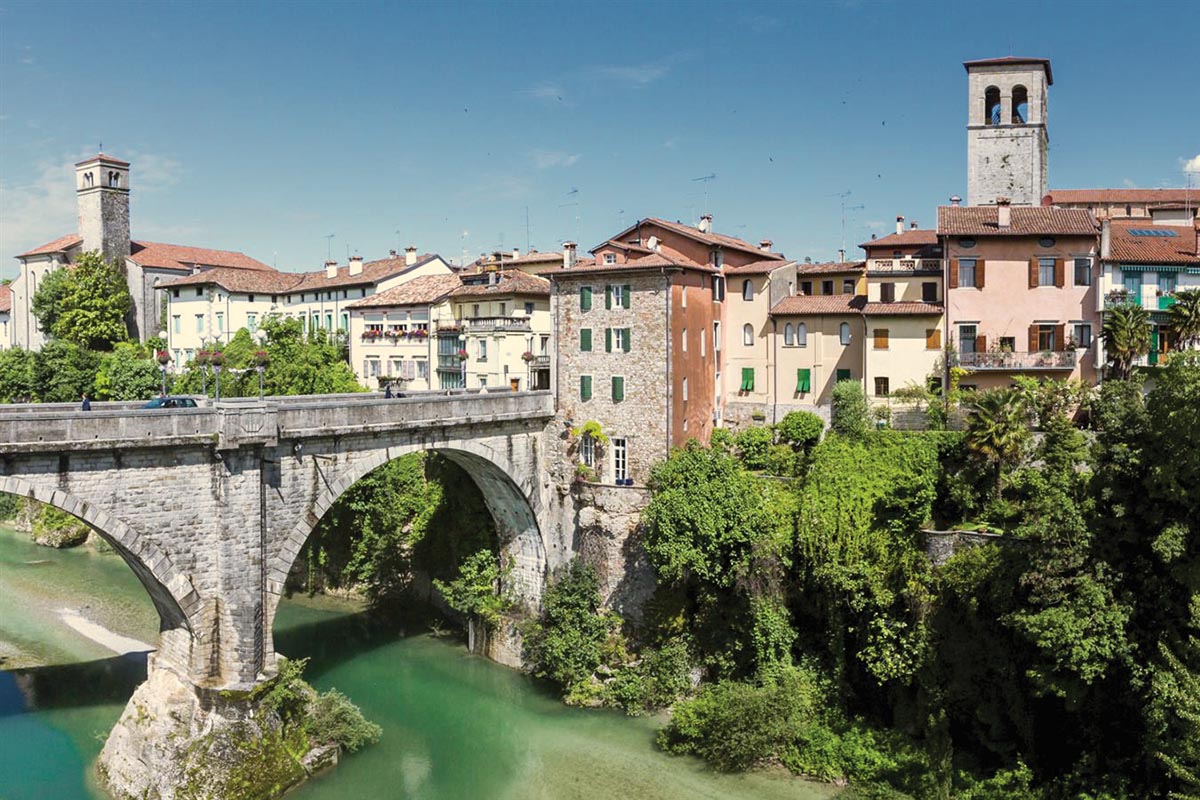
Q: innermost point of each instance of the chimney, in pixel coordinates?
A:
(912, 226)
(516, 253)
(410, 255)
(1105, 239)
(899, 224)
(330, 269)
(873, 237)
(568, 255)
(955, 200)
(356, 265)
(705, 225)
(1003, 212)
(765, 245)
(391, 253)
(841, 256)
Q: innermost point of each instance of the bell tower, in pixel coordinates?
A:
(1006, 130)
(102, 195)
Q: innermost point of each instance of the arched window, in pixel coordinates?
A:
(748, 334)
(1020, 105)
(789, 335)
(747, 290)
(802, 335)
(89, 179)
(844, 332)
(991, 106)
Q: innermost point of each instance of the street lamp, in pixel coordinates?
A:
(217, 358)
(202, 360)
(261, 359)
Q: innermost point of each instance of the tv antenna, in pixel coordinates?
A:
(844, 195)
(574, 201)
(621, 219)
(329, 246)
(463, 262)
(706, 179)
(527, 229)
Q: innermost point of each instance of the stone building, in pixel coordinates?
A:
(504, 317)
(1006, 129)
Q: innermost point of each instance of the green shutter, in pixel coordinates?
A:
(627, 338)
(585, 340)
(585, 387)
(747, 379)
(625, 295)
(618, 389)
(803, 380)
(585, 298)
(608, 295)
(608, 340)
(843, 375)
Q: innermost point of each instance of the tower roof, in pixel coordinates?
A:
(1012, 61)
(102, 157)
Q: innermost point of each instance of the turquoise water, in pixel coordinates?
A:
(455, 726)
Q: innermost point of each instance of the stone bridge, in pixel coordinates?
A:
(211, 506)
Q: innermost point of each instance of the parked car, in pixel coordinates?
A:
(171, 402)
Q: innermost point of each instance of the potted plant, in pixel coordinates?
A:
(758, 415)
(163, 357)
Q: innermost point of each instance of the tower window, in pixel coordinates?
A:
(991, 106)
(114, 178)
(1020, 105)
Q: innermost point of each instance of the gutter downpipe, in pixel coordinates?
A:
(774, 353)
(670, 342)
(945, 240)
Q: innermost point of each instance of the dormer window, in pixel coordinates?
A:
(718, 259)
(610, 258)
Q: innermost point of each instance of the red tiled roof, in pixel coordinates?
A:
(1012, 60)
(819, 304)
(1026, 221)
(903, 308)
(1127, 247)
(425, 290)
(251, 281)
(177, 256)
(626, 246)
(757, 267)
(372, 272)
(831, 268)
(909, 238)
(509, 282)
(102, 157)
(57, 246)
(5, 298)
(692, 233)
(1122, 196)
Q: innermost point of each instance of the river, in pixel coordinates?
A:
(454, 726)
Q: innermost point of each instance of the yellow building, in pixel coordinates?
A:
(506, 329)
(747, 368)
(819, 341)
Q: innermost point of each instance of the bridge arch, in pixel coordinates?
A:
(510, 494)
(169, 589)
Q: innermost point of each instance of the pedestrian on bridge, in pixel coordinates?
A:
(87, 404)
(387, 392)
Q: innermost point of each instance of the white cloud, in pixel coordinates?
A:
(40, 209)
(153, 172)
(1192, 165)
(1129, 184)
(636, 76)
(546, 159)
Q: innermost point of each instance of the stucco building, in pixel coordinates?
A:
(504, 317)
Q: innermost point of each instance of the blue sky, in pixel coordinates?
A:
(263, 128)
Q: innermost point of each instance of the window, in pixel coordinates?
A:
(966, 273)
(483, 349)
(199, 323)
(503, 310)
(929, 292)
(618, 389)
(1045, 272)
(475, 309)
(252, 322)
(802, 335)
(747, 290)
(718, 259)
(887, 292)
(616, 296)
(344, 323)
(966, 244)
(933, 339)
(803, 380)
(991, 106)
(610, 258)
(175, 293)
(703, 342)
(806, 287)
(881, 338)
(423, 370)
(747, 379)
(718, 287)
(748, 335)
(1008, 344)
(199, 291)
(847, 286)
(585, 387)
(587, 451)
(683, 297)
(1046, 241)
(789, 335)
(1083, 335)
(371, 367)
(529, 309)
(1083, 272)
(844, 332)
(966, 338)
(683, 341)
(585, 298)
(616, 340)
(843, 375)
(685, 389)
(620, 451)
(717, 336)
(175, 324)
(585, 340)
(1045, 338)
(482, 381)
(881, 387)
(1167, 282)
(316, 321)
(1020, 105)
(826, 287)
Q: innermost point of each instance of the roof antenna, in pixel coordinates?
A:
(706, 179)
(846, 208)
(328, 245)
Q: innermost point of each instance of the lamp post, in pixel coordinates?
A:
(217, 358)
(262, 359)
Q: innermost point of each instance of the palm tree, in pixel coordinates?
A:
(1185, 317)
(1126, 334)
(997, 429)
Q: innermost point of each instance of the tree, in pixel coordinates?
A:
(850, 416)
(127, 373)
(566, 643)
(800, 429)
(63, 371)
(997, 429)
(48, 299)
(16, 375)
(93, 305)
(1126, 334)
(476, 592)
(1185, 317)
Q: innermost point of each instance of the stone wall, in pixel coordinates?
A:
(608, 536)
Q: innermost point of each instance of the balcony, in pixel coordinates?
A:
(540, 362)
(1018, 362)
(904, 265)
(1165, 302)
(450, 363)
(519, 324)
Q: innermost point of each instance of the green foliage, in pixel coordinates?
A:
(566, 643)
(16, 375)
(721, 439)
(800, 429)
(128, 373)
(997, 430)
(1184, 317)
(1126, 335)
(592, 430)
(56, 528)
(849, 415)
(47, 301)
(90, 306)
(62, 371)
(334, 719)
(476, 591)
(754, 445)
(10, 506)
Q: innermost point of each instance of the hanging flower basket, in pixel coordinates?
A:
(420, 333)
(262, 358)
(163, 357)
(216, 358)
(527, 356)
(201, 358)
(463, 355)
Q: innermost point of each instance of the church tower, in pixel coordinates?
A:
(102, 194)
(1006, 130)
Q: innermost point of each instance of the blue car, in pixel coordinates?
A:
(171, 402)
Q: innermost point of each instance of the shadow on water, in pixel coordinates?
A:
(88, 683)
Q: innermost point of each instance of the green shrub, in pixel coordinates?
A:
(721, 439)
(754, 445)
(850, 416)
(800, 429)
(783, 461)
(566, 643)
(334, 719)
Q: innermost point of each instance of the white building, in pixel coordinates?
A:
(505, 329)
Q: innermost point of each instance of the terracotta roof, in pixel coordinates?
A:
(626, 246)
(509, 282)
(909, 238)
(757, 267)
(693, 233)
(5, 298)
(1122, 196)
(903, 308)
(831, 268)
(251, 281)
(57, 246)
(802, 304)
(372, 272)
(425, 290)
(1012, 61)
(102, 157)
(653, 262)
(1174, 244)
(1026, 221)
(177, 256)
